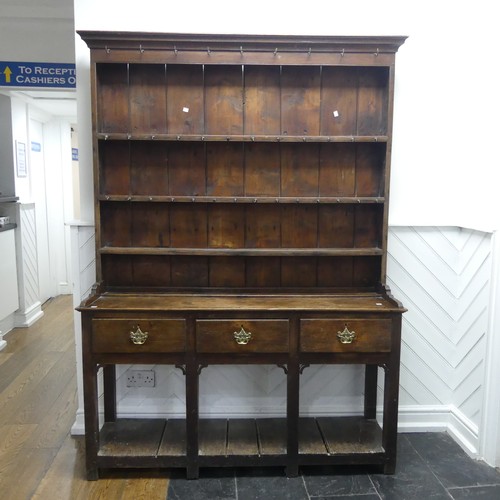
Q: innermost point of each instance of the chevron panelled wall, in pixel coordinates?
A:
(29, 303)
(441, 274)
(86, 260)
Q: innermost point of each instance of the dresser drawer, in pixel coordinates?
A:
(241, 335)
(345, 335)
(124, 335)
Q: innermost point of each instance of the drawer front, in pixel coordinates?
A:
(345, 335)
(242, 336)
(124, 335)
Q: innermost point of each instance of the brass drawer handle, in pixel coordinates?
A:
(242, 337)
(346, 336)
(138, 337)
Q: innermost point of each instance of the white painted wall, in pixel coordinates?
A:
(36, 30)
(445, 118)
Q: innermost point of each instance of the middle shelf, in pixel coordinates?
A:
(244, 252)
(240, 170)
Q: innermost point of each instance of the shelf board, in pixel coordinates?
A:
(244, 252)
(261, 437)
(244, 199)
(131, 437)
(115, 136)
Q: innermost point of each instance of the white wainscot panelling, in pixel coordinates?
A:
(30, 307)
(83, 267)
(442, 276)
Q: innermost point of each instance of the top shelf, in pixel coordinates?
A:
(241, 138)
(239, 43)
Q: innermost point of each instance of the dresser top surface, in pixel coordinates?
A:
(362, 302)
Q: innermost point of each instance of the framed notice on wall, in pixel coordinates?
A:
(22, 169)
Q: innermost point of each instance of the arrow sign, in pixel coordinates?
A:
(7, 72)
(37, 74)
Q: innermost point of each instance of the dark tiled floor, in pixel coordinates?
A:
(430, 466)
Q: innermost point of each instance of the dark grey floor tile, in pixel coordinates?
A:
(330, 481)
(373, 496)
(269, 484)
(476, 493)
(450, 463)
(413, 478)
(212, 484)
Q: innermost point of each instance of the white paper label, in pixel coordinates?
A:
(335, 114)
(186, 110)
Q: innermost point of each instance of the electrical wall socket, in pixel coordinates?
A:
(140, 378)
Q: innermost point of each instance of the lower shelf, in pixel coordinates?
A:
(158, 442)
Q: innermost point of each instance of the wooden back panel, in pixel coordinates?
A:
(243, 169)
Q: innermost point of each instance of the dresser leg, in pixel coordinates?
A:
(390, 466)
(92, 474)
(109, 379)
(192, 418)
(371, 373)
(293, 376)
(192, 472)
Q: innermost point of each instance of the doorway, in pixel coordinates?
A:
(45, 121)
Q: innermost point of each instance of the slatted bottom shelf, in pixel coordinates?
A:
(162, 443)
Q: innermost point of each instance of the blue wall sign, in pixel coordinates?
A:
(74, 154)
(39, 75)
(36, 146)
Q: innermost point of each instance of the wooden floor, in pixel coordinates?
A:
(38, 457)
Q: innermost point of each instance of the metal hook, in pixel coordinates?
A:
(275, 50)
(309, 51)
(376, 53)
(241, 49)
(342, 53)
(175, 50)
(141, 50)
(208, 50)
(108, 50)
